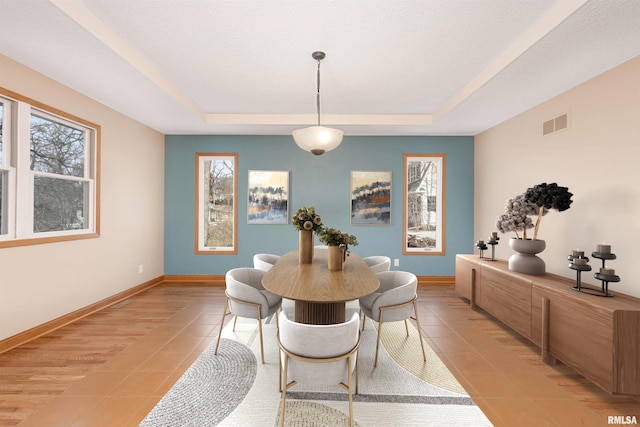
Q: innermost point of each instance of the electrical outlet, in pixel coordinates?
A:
(396, 262)
(140, 269)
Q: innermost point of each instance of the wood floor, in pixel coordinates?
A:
(110, 368)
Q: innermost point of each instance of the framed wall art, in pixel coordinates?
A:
(370, 198)
(216, 203)
(424, 230)
(268, 194)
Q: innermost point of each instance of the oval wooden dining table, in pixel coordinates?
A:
(320, 295)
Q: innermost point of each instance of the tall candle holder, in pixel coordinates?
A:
(482, 246)
(579, 263)
(493, 241)
(605, 275)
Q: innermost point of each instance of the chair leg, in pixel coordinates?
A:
(375, 364)
(350, 379)
(284, 390)
(415, 309)
(260, 329)
(357, 367)
(406, 326)
(235, 319)
(363, 319)
(224, 314)
(280, 370)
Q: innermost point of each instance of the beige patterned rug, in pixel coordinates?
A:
(235, 389)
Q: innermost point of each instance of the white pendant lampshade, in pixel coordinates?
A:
(317, 139)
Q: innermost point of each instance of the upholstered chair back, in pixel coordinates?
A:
(246, 284)
(396, 287)
(265, 261)
(378, 263)
(319, 341)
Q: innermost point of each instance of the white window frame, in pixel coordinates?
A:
(20, 186)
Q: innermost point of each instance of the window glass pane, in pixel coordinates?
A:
(3, 202)
(56, 148)
(1, 126)
(59, 204)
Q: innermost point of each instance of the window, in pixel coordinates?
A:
(4, 170)
(48, 174)
(424, 204)
(216, 200)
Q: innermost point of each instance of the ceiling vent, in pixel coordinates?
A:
(554, 125)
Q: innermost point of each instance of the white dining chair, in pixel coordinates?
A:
(393, 301)
(318, 355)
(246, 297)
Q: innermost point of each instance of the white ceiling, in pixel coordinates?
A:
(393, 67)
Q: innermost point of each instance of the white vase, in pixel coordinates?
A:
(525, 259)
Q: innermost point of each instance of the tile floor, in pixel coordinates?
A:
(110, 368)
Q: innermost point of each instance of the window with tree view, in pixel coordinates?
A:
(3, 176)
(424, 232)
(60, 184)
(48, 185)
(216, 189)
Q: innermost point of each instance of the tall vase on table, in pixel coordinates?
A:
(336, 257)
(306, 221)
(305, 250)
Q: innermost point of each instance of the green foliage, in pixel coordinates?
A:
(333, 237)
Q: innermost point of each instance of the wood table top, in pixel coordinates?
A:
(316, 283)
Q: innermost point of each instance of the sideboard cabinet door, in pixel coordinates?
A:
(507, 297)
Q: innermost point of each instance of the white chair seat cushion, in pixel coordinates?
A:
(273, 301)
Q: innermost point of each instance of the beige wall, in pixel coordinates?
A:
(597, 157)
(42, 282)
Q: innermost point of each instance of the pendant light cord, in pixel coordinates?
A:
(318, 93)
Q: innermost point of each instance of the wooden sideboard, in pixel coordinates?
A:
(597, 336)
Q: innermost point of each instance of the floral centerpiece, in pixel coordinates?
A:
(338, 243)
(535, 201)
(333, 237)
(547, 196)
(516, 217)
(307, 219)
(308, 222)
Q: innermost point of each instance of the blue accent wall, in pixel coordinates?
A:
(319, 181)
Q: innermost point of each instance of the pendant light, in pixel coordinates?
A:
(317, 139)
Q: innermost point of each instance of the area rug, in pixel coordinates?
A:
(234, 388)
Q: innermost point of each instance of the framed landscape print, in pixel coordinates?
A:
(370, 198)
(424, 178)
(216, 203)
(268, 197)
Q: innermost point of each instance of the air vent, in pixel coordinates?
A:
(554, 125)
